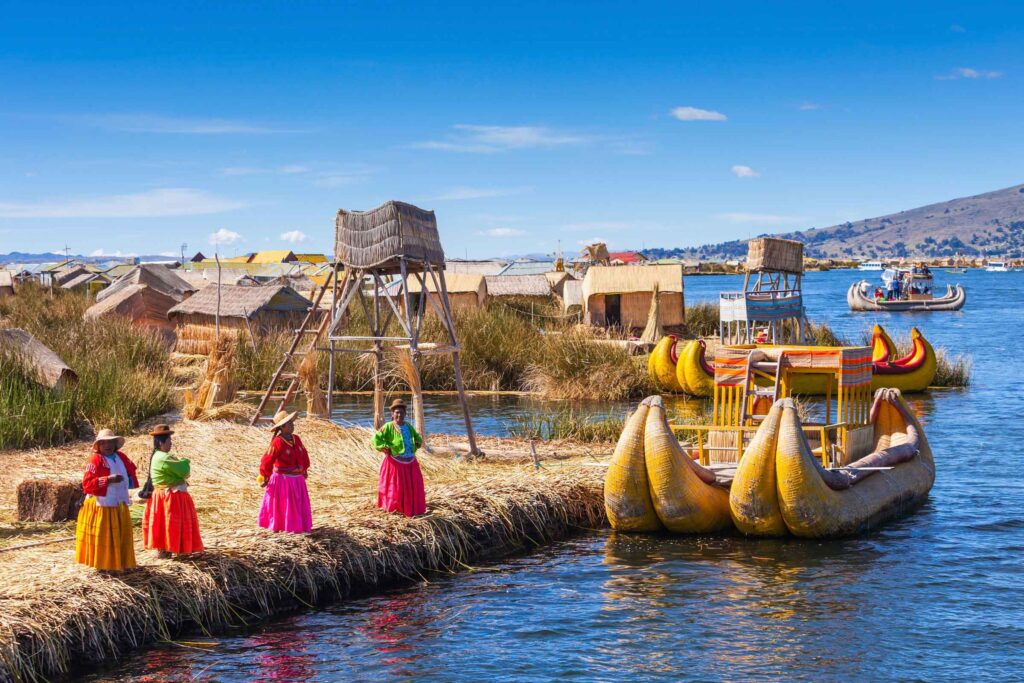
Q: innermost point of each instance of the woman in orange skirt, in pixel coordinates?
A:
(103, 535)
(170, 524)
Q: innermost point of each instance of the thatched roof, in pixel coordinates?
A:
(455, 283)
(556, 277)
(83, 279)
(379, 237)
(598, 251)
(517, 285)
(207, 276)
(476, 267)
(160, 278)
(6, 278)
(241, 302)
(46, 366)
(69, 274)
(137, 302)
(629, 279)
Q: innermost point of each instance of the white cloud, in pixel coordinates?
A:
(502, 232)
(740, 217)
(294, 236)
(490, 139)
(695, 114)
(148, 204)
(295, 168)
(97, 253)
(150, 123)
(224, 237)
(741, 171)
(463, 193)
(808, 106)
(170, 254)
(592, 240)
(967, 72)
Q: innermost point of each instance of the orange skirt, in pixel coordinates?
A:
(103, 536)
(170, 523)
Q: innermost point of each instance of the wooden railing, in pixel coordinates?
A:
(828, 451)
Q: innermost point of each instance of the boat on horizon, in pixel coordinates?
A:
(871, 265)
(997, 267)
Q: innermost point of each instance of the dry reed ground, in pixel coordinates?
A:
(55, 614)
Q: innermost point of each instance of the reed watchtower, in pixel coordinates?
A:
(378, 254)
(771, 299)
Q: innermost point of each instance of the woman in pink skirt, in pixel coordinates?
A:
(400, 488)
(283, 472)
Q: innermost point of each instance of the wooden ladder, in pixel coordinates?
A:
(310, 327)
(758, 366)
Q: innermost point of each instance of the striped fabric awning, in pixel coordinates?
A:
(851, 364)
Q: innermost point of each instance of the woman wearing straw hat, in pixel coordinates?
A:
(400, 488)
(170, 524)
(283, 472)
(103, 536)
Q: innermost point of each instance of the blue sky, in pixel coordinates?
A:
(135, 127)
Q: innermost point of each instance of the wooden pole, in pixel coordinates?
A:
(439, 284)
(216, 255)
(331, 344)
(416, 387)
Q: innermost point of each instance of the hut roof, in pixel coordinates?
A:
(556, 277)
(84, 278)
(206, 276)
(528, 267)
(477, 267)
(629, 279)
(242, 302)
(46, 366)
(311, 258)
(379, 237)
(598, 251)
(273, 256)
(455, 283)
(6, 278)
(159, 278)
(517, 285)
(68, 274)
(626, 256)
(134, 301)
(119, 270)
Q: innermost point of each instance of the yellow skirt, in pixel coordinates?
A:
(103, 537)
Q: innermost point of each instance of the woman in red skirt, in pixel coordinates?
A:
(400, 488)
(170, 524)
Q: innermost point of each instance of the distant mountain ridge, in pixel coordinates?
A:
(990, 224)
(51, 257)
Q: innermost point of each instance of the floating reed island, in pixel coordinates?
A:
(56, 616)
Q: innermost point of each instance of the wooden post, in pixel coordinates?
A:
(459, 386)
(414, 351)
(331, 344)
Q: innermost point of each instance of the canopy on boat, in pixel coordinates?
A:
(851, 365)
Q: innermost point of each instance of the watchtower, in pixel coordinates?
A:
(771, 299)
(371, 249)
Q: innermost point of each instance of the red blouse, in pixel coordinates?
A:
(289, 458)
(94, 479)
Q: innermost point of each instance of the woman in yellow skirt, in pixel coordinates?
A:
(103, 538)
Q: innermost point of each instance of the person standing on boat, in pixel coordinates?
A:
(170, 524)
(400, 487)
(103, 535)
(889, 289)
(283, 471)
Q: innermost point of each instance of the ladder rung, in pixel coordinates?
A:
(287, 375)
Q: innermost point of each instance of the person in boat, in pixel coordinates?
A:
(400, 487)
(283, 472)
(170, 524)
(890, 288)
(103, 535)
(878, 294)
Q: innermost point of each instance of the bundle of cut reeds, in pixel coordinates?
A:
(201, 339)
(217, 387)
(309, 376)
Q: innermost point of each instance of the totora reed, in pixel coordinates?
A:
(56, 616)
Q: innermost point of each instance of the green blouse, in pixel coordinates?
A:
(167, 470)
(390, 436)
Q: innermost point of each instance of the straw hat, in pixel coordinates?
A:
(162, 430)
(108, 435)
(397, 403)
(282, 418)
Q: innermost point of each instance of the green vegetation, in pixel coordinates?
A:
(567, 424)
(123, 372)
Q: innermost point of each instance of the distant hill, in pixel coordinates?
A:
(50, 257)
(985, 224)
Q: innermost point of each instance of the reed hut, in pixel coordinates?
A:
(242, 310)
(556, 280)
(533, 289)
(465, 291)
(6, 283)
(142, 304)
(157, 277)
(90, 283)
(45, 366)
(572, 296)
(621, 296)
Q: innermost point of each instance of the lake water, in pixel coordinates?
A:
(936, 596)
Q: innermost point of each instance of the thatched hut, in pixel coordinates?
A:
(621, 296)
(90, 283)
(376, 238)
(465, 291)
(241, 310)
(556, 280)
(526, 288)
(157, 277)
(6, 283)
(142, 304)
(45, 366)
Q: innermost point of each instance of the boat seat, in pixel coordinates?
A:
(724, 473)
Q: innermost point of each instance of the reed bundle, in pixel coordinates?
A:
(217, 387)
(201, 340)
(309, 376)
(54, 613)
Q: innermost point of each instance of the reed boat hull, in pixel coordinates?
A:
(627, 490)
(693, 372)
(858, 300)
(808, 504)
(661, 365)
(685, 496)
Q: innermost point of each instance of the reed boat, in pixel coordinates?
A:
(782, 488)
(859, 299)
(661, 365)
(913, 372)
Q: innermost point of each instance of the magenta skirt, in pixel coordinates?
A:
(286, 504)
(400, 488)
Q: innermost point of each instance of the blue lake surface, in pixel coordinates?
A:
(936, 596)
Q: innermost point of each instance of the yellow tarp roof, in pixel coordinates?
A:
(274, 256)
(312, 258)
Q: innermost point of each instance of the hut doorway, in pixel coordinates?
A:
(613, 310)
